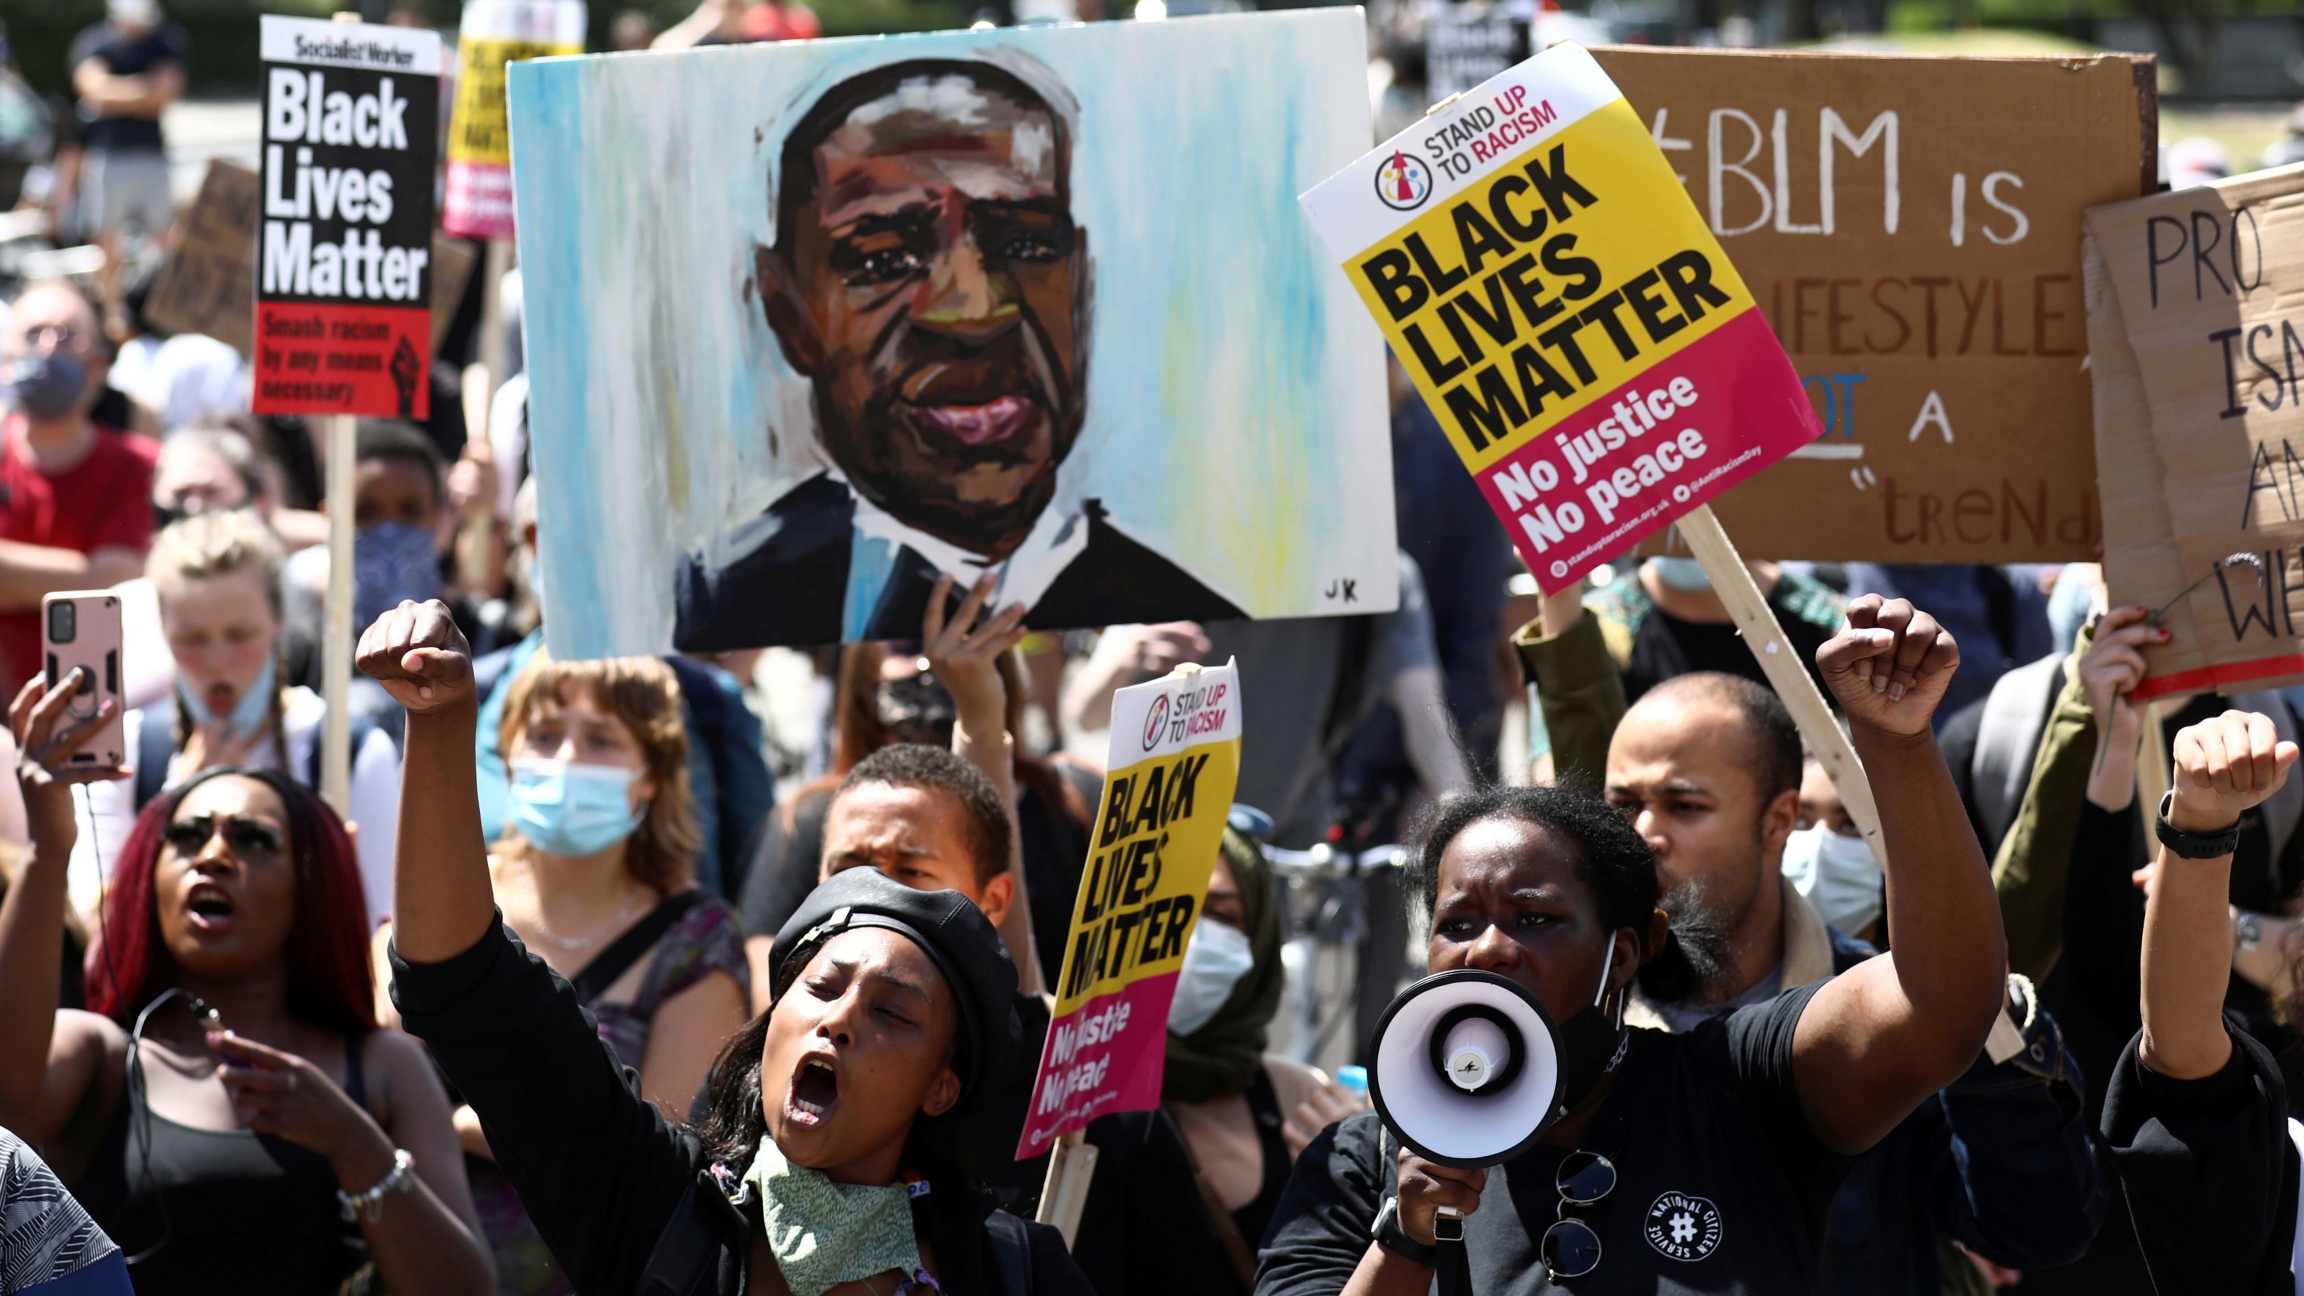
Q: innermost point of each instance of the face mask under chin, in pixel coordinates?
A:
(1593, 1040)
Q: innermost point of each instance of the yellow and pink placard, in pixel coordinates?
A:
(1558, 300)
(1174, 762)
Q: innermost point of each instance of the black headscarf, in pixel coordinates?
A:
(1222, 1056)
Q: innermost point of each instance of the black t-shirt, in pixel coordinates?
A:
(1664, 646)
(1721, 1186)
(125, 55)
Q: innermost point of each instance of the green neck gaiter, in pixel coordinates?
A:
(825, 1233)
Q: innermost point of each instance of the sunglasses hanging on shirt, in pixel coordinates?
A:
(1571, 1247)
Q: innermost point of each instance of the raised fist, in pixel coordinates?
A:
(2224, 766)
(1889, 666)
(416, 652)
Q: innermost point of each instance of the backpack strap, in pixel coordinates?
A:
(1238, 1249)
(155, 746)
(1011, 1252)
(595, 977)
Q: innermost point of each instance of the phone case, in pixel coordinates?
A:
(93, 642)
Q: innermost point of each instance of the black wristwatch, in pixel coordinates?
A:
(1389, 1236)
(2198, 846)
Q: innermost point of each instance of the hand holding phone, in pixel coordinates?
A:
(81, 628)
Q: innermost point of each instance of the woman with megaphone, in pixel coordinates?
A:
(1525, 1137)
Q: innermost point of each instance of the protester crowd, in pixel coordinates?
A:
(603, 978)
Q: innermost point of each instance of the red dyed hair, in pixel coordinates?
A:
(330, 982)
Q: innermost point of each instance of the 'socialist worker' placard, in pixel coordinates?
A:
(1175, 760)
(493, 34)
(1562, 307)
(344, 273)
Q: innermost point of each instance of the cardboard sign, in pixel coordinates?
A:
(2198, 355)
(1911, 228)
(1175, 759)
(344, 275)
(210, 279)
(453, 261)
(493, 34)
(1583, 340)
(1117, 371)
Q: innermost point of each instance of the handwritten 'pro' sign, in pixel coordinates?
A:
(2197, 347)
(1554, 294)
(1175, 760)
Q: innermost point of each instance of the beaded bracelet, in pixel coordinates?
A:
(355, 1207)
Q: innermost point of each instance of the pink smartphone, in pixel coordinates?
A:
(82, 628)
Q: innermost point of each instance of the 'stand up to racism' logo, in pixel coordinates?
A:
(1156, 721)
(1403, 182)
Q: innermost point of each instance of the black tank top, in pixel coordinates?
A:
(207, 1210)
(1264, 1105)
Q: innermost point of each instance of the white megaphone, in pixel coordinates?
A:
(1467, 1069)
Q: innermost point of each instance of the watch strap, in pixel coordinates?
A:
(2198, 846)
(1389, 1235)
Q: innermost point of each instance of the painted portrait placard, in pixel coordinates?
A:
(810, 325)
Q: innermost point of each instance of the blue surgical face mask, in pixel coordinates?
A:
(47, 386)
(247, 714)
(391, 561)
(1215, 960)
(1837, 873)
(572, 810)
(1683, 574)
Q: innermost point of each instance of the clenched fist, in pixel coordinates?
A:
(2225, 766)
(1889, 666)
(416, 652)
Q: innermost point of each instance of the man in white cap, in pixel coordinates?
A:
(126, 70)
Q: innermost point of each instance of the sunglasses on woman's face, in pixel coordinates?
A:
(1571, 1249)
(188, 837)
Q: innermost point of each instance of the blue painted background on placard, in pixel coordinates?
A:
(1236, 410)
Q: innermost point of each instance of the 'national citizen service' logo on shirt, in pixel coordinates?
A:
(1683, 1227)
(1403, 182)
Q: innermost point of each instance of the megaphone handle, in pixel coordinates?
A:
(1452, 1270)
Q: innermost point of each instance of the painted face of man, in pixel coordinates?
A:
(934, 289)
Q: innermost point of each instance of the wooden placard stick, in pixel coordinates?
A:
(339, 433)
(1756, 621)
(1064, 1195)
